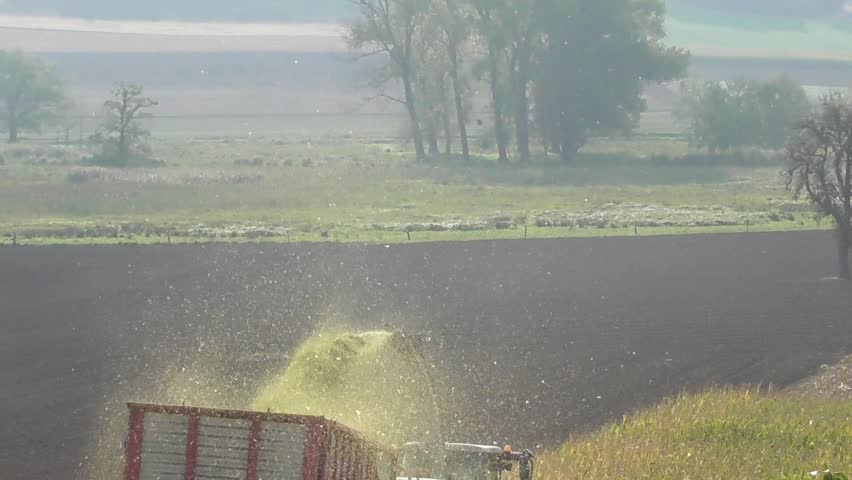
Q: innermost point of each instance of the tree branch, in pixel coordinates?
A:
(370, 54)
(387, 97)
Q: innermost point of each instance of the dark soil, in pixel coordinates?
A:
(548, 337)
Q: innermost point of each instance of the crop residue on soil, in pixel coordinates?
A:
(375, 382)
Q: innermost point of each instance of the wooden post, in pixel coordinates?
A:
(525, 231)
(133, 445)
(191, 455)
(635, 229)
(408, 232)
(253, 448)
(169, 237)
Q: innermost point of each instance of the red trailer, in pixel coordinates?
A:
(189, 443)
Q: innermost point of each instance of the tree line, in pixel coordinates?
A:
(722, 116)
(561, 70)
(33, 95)
(542, 84)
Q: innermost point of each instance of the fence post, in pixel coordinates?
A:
(169, 234)
(408, 232)
(525, 231)
(635, 229)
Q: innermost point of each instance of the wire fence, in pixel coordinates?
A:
(178, 236)
(78, 128)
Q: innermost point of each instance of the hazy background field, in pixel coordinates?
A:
(254, 77)
(264, 133)
(256, 123)
(256, 120)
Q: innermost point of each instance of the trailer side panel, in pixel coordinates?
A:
(186, 443)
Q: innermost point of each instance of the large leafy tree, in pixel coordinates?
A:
(391, 28)
(598, 56)
(780, 103)
(741, 113)
(31, 94)
(487, 16)
(456, 34)
(580, 66)
(522, 25)
(433, 86)
(820, 167)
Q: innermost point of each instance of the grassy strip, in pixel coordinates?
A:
(716, 435)
(266, 189)
(397, 237)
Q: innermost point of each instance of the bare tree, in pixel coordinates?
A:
(454, 30)
(488, 21)
(123, 112)
(820, 156)
(434, 80)
(523, 37)
(389, 27)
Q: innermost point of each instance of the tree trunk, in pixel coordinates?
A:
(555, 147)
(522, 114)
(571, 140)
(448, 136)
(499, 127)
(843, 246)
(569, 152)
(460, 116)
(412, 116)
(522, 128)
(13, 130)
(122, 148)
(432, 136)
(12, 119)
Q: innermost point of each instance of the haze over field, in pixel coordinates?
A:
(788, 29)
(496, 222)
(332, 10)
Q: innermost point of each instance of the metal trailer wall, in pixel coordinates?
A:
(172, 442)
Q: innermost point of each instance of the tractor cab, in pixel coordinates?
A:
(462, 461)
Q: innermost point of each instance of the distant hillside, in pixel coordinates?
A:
(331, 10)
(763, 15)
(791, 29)
(198, 10)
(790, 9)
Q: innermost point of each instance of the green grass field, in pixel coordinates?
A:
(716, 435)
(348, 189)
